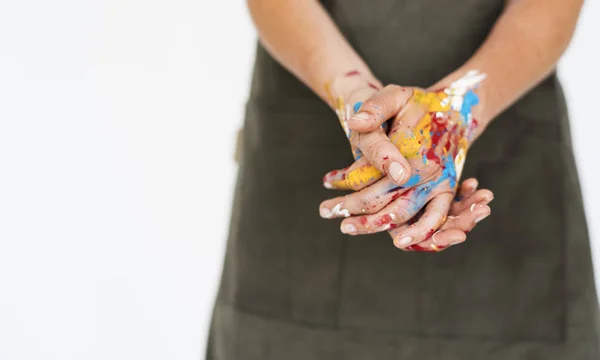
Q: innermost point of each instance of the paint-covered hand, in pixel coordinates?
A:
(469, 207)
(443, 223)
(346, 95)
(432, 130)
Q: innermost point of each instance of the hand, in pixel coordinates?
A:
(346, 95)
(469, 208)
(433, 131)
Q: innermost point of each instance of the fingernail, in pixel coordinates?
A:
(325, 213)
(481, 218)
(397, 172)
(404, 241)
(327, 185)
(455, 243)
(361, 116)
(348, 228)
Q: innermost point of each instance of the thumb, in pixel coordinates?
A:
(379, 108)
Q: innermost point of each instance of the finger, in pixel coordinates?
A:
(450, 237)
(334, 208)
(391, 216)
(482, 196)
(468, 218)
(396, 229)
(432, 219)
(410, 133)
(384, 156)
(398, 212)
(369, 200)
(358, 176)
(464, 222)
(466, 189)
(379, 108)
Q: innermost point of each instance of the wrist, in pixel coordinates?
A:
(465, 81)
(350, 87)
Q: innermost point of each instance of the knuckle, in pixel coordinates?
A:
(351, 203)
(394, 87)
(401, 94)
(375, 106)
(400, 215)
(369, 202)
(377, 149)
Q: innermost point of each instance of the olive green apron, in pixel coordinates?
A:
(295, 288)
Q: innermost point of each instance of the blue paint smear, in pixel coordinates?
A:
(414, 180)
(469, 101)
(357, 154)
(357, 106)
(422, 192)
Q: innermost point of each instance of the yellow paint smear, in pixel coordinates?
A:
(357, 177)
(410, 145)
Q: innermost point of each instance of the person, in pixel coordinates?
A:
(476, 75)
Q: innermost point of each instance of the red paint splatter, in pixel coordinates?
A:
(373, 86)
(409, 193)
(333, 173)
(429, 233)
(439, 127)
(396, 195)
(386, 157)
(352, 73)
(383, 220)
(363, 220)
(473, 126)
(424, 249)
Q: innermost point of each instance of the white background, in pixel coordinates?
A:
(117, 122)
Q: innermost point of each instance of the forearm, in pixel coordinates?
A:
(523, 47)
(304, 39)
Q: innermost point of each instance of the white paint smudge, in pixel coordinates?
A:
(457, 90)
(337, 211)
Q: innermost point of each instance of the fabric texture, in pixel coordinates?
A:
(294, 287)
